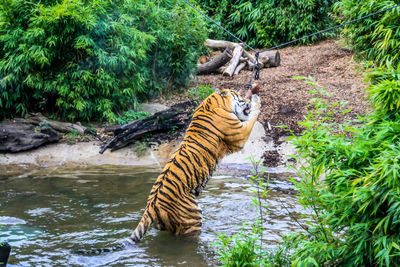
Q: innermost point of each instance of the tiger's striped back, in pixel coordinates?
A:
(221, 124)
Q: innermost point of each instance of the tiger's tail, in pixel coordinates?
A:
(139, 232)
(142, 227)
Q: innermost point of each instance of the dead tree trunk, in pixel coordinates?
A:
(174, 118)
(214, 64)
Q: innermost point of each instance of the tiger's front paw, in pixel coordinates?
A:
(256, 102)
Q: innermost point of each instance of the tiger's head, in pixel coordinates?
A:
(232, 102)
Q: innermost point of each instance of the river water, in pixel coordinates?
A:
(46, 216)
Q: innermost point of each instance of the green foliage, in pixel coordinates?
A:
(270, 22)
(376, 38)
(88, 59)
(240, 249)
(351, 184)
(200, 92)
(131, 115)
(385, 92)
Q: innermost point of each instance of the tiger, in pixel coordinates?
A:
(220, 125)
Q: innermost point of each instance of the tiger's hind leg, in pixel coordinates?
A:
(192, 230)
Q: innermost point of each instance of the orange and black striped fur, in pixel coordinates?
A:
(220, 125)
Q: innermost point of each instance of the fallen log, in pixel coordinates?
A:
(65, 127)
(215, 63)
(239, 68)
(16, 137)
(270, 59)
(251, 65)
(237, 54)
(174, 118)
(220, 44)
(251, 58)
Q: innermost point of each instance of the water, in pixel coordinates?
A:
(45, 216)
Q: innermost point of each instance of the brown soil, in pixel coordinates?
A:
(284, 99)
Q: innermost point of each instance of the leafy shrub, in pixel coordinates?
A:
(88, 59)
(131, 115)
(351, 182)
(240, 249)
(200, 92)
(385, 93)
(376, 38)
(268, 23)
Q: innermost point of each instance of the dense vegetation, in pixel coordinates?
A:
(88, 59)
(349, 188)
(269, 22)
(356, 206)
(376, 38)
(350, 179)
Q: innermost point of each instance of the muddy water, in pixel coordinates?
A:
(45, 216)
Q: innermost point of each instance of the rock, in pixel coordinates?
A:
(16, 137)
(152, 108)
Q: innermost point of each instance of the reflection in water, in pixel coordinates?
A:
(46, 217)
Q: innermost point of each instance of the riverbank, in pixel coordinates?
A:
(284, 102)
(83, 154)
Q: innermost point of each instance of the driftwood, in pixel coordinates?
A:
(16, 137)
(65, 127)
(237, 54)
(174, 118)
(214, 64)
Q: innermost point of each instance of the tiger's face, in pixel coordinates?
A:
(235, 103)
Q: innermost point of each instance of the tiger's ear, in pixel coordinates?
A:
(222, 93)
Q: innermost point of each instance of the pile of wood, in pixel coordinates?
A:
(233, 59)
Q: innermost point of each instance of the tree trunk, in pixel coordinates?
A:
(237, 53)
(215, 63)
(220, 44)
(239, 68)
(251, 58)
(270, 59)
